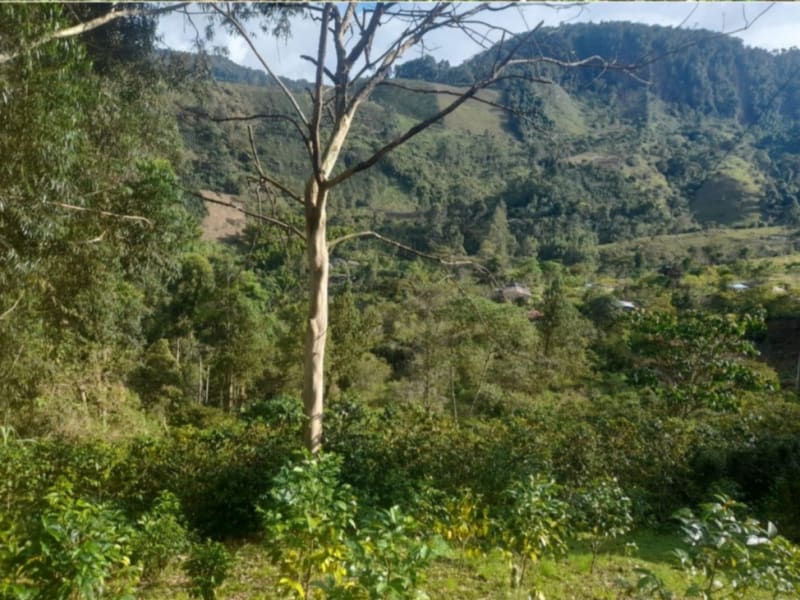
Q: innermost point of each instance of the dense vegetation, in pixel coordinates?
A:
(665, 147)
(150, 421)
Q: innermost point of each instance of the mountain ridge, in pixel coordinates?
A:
(597, 158)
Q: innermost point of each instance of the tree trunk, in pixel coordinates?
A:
(317, 325)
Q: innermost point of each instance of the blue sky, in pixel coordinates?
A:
(778, 28)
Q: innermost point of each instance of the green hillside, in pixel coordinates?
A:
(602, 157)
(565, 366)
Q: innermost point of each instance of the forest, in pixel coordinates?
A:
(560, 322)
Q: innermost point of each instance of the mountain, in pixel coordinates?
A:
(694, 130)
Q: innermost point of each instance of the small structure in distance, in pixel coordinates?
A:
(626, 305)
(513, 292)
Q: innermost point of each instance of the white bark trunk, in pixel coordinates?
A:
(317, 325)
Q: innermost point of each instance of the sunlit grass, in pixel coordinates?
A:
(479, 578)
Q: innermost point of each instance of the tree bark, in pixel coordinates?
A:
(317, 325)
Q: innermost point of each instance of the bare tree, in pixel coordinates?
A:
(349, 65)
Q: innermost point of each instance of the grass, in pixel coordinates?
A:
(481, 578)
(730, 196)
(782, 270)
(489, 577)
(474, 117)
(563, 110)
(713, 246)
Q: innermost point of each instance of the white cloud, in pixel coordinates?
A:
(238, 50)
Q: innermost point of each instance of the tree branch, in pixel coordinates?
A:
(419, 127)
(80, 28)
(271, 220)
(13, 307)
(366, 39)
(95, 240)
(650, 58)
(319, 90)
(498, 67)
(246, 37)
(253, 117)
(313, 61)
(504, 107)
(372, 234)
(266, 178)
(103, 213)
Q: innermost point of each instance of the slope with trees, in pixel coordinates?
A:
(473, 447)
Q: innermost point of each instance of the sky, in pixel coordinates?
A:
(775, 29)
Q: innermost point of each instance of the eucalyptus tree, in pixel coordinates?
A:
(352, 57)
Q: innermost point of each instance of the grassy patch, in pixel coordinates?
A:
(713, 246)
(730, 196)
(484, 578)
(472, 116)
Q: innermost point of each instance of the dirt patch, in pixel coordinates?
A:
(222, 222)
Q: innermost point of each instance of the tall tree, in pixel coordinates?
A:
(351, 59)
(91, 217)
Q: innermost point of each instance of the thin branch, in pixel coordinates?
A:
(651, 58)
(80, 28)
(689, 16)
(313, 61)
(368, 35)
(271, 220)
(103, 213)
(246, 37)
(252, 117)
(316, 117)
(96, 239)
(274, 182)
(254, 151)
(504, 107)
(428, 24)
(372, 234)
(348, 16)
(13, 307)
(266, 178)
(593, 60)
(398, 141)
(409, 38)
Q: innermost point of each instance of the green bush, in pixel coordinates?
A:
(461, 519)
(282, 409)
(755, 457)
(735, 554)
(217, 474)
(307, 518)
(535, 524)
(160, 536)
(73, 549)
(601, 511)
(207, 567)
(388, 556)
(324, 546)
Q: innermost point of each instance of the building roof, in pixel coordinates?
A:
(625, 304)
(514, 291)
